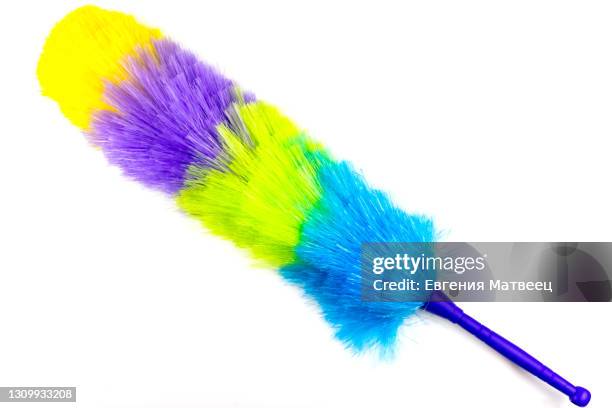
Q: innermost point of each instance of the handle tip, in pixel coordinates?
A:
(581, 397)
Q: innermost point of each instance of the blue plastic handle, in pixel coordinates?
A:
(439, 304)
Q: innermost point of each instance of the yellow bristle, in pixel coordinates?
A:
(82, 51)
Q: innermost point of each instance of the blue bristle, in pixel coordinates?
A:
(349, 214)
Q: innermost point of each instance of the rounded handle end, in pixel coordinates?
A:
(581, 397)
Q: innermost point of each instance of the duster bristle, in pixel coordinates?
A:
(260, 201)
(238, 165)
(82, 51)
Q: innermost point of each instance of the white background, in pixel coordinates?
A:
(492, 117)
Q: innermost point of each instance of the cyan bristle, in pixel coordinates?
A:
(348, 214)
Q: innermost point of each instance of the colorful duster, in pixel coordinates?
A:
(235, 163)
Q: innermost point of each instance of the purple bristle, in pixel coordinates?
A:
(165, 116)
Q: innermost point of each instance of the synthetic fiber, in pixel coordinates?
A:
(238, 165)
